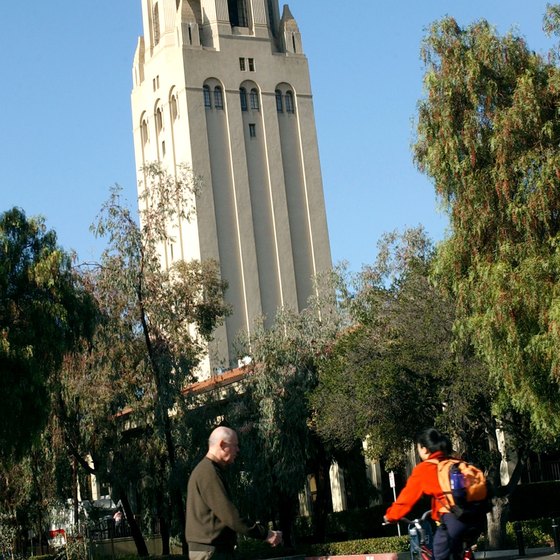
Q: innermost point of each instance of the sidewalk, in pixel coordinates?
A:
(546, 553)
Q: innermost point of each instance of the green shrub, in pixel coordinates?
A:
(364, 546)
(536, 533)
(252, 550)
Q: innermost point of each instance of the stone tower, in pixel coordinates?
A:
(223, 86)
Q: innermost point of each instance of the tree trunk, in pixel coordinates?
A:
(323, 501)
(135, 531)
(287, 508)
(75, 505)
(180, 513)
(164, 534)
(497, 519)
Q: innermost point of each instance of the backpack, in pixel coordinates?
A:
(465, 489)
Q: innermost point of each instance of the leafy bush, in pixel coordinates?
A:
(252, 550)
(364, 546)
(536, 533)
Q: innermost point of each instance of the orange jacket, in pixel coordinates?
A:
(423, 480)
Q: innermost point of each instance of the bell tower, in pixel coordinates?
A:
(223, 86)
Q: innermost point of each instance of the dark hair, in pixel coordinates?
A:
(433, 441)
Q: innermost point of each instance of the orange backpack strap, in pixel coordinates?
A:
(443, 467)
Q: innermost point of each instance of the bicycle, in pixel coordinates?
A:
(421, 538)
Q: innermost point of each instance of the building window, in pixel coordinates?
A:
(252, 130)
(289, 102)
(251, 62)
(159, 120)
(218, 98)
(254, 98)
(237, 13)
(173, 108)
(279, 104)
(207, 100)
(155, 17)
(242, 66)
(243, 98)
(163, 148)
(144, 131)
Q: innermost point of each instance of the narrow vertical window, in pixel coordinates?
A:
(242, 66)
(173, 108)
(159, 120)
(254, 98)
(155, 18)
(144, 131)
(207, 100)
(243, 98)
(252, 130)
(251, 64)
(218, 98)
(279, 104)
(289, 102)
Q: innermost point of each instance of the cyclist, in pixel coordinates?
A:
(450, 533)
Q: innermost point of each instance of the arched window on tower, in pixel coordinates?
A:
(254, 98)
(237, 13)
(218, 98)
(243, 98)
(207, 99)
(159, 119)
(289, 102)
(279, 103)
(155, 20)
(144, 131)
(173, 107)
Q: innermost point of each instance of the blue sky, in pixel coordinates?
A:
(66, 133)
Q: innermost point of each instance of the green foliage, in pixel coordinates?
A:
(157, 317)
(536, 533)
(8, 534)
(380, 545)
(43, 312)
(396, 371)
(273, 413)
(254, 550)
(487, 135)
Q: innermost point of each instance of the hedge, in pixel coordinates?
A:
(253, 550)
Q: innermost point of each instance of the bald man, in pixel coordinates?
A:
(212, 520)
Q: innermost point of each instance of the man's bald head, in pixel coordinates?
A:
(223, 445)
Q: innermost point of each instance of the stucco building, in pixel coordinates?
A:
(223, 86)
